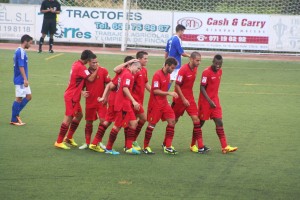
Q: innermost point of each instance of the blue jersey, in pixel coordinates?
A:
(174, 49)
(20, 60)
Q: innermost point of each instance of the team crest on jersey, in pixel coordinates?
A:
(127, 82)
(204, 79)
(179, 78)
(155, 84)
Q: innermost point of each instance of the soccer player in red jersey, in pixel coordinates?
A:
(138, 91)
(93, 108)
(110, 93)
(124, 110)
(159, 108)
(186, 101)
(73, 114)
(209, 103)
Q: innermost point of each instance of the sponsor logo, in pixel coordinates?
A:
(204, 79)
(155, 84)
(190, 23)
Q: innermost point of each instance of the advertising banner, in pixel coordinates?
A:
(285, 33)
(224, 31)
(16, 21)
(104, 26)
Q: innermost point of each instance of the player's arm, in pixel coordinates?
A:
(127, 93)
(26, 83)
(180, 94)
(163, 93)
(92, 77)
(109, 87)
(119, 68)
(148, 87)
(204, 93)
(185, 54)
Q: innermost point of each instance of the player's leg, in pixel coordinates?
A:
(142, 119)
(23, 95)
(77, 116)
(111, 140)
(15, 110)
(132, 124)
(222, 137)
(44, 31)
(148, 135)
(62, 132)
(169, 116)
(52, 31)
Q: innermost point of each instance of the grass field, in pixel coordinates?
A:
(261, 111)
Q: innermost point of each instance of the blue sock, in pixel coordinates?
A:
(15, 110)
(22, 105)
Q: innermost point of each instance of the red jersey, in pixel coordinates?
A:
(122, 102)
(112, 94)
(96, 88)
(77, 75)
(185, 79)
(211, 80)
(159, 81)
(140, 80)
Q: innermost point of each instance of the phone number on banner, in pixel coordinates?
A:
(15, 28)
(133, 27)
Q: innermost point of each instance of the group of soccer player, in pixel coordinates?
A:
(120, 101)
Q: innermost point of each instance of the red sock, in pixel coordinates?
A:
(138, 129)
(62, 132)
(221, 135)
(130, 137)
(88, 133)
(112, 137)
(197, 135)
(148, 135)
(169, 135)
(73, 128)
(100, 133)
(125, 135)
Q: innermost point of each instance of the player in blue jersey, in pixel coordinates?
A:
(174, 49)
(23, 92)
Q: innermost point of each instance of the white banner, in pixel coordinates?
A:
(16, 21)
(224, 31)
(285, 33)
(104, 26)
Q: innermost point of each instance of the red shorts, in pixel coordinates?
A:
(92, 114)
(179, 108)
(155, 114)
(206, 112)
(110, 114)
(72, 108)
(123, 117)
(140, 111)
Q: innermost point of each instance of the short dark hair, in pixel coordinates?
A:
(93, 56)
(127, 58)
(180, 27)
(218, 57)
(195, 54)
(140, 54)
(26, 38)
(171, 61)
(86, 55)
